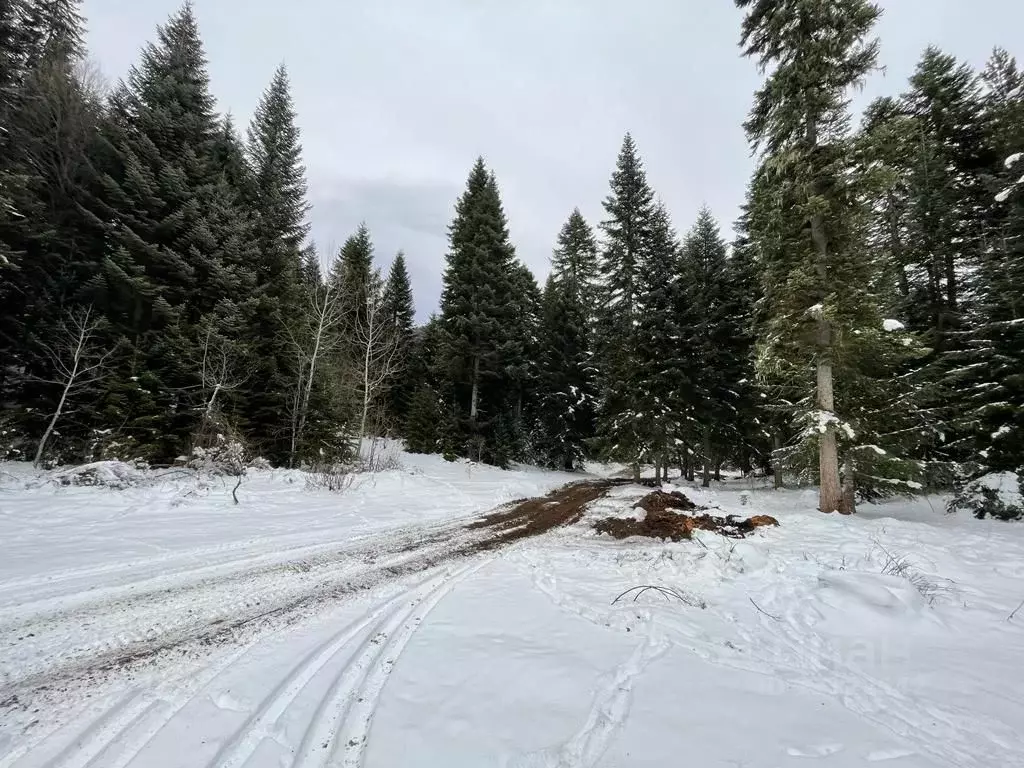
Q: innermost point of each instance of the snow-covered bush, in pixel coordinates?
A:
(998, 494)
(116, 475)
(224, 457)
(330, 477)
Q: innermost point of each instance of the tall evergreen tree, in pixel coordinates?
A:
(399, 311)
(478, 319)
(815, 51)
(567, 403)
(179, 249)
(717, 341)
(662, 375)
(627, 236)
(575, 260)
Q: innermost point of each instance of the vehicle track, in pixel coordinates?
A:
(357, 659)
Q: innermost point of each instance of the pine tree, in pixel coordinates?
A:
(276, 195)
(275, 154)
(996, 401)
(478, 319)
(815, 51)
(351, 274)
(180, 253)
(717, 342)
(398, 308)
(575, 261)
(627, 235)
(423, 422)
(662, 374)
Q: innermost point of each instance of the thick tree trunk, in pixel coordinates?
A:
(636, 472)
(849, 504)
(828, 459)
(830, 498)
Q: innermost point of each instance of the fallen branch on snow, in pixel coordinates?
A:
(666, 592)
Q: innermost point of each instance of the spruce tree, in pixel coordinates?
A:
(277, 198)
(478, 320)
(717, 342)
(179, 253)
(662, 374)
(627, 236)
(815, 52)
(398, 308)
(575, 261)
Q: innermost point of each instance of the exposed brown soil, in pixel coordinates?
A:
(532, 517)
(660, 522)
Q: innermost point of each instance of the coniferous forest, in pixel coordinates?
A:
(862, 331)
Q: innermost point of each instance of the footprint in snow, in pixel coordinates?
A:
(817, 750)
(227, 702)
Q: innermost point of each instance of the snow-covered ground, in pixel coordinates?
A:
(362, 644)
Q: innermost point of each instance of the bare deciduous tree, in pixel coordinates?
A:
(379, 346)
(312, 338)
(223, 368)
(78, 358)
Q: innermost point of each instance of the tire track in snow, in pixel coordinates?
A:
(340, 729)
(245, 742)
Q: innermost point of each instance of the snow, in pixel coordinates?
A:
(811, 645)
(892, 325)
(1013, 159)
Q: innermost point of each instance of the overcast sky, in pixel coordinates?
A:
(396, 98)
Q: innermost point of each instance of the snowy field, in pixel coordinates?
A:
(162, 626)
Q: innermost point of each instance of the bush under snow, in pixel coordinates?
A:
(998, 494)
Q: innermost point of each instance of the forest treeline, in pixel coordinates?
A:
(864, 329)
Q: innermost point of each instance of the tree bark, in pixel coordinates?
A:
(636, 472)
(830, 498)
(53, 421)
(777, 461)
(849, 503)
(828, 458)
(474, 398)
(706, 479)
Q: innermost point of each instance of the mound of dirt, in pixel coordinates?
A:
(660, 522)
(658, 501)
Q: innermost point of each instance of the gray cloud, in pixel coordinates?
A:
(396, 99)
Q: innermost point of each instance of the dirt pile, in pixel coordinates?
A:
(532, 517)
(660, 522)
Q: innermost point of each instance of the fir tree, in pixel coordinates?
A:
(275, 154)
(399, 311)
(627, 236)
(478, 317)
(717, 342)
(179, 246)
(815, 52)
(423, 422)
(662, 373)
(575, 261)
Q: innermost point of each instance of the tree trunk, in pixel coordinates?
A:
(53, 422)
(777, 460)
(636, 472)
(849, 504)
(706, 479)
(830, 499)
(718, 471)
(828, 459)
(474, 398)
